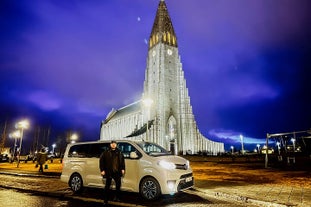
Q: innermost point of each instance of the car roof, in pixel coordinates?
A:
(107, 141)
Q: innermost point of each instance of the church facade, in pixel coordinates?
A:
(164, 113)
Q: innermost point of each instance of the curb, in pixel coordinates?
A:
(239, 198)
(29, 174)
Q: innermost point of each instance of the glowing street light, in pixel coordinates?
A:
(293, 141)
(279, 147)
(53, 148)
(147, 103)
(14, 135)
(232, 148)
(73, 138)
(242, 139)
(258, 148)
(21, 126)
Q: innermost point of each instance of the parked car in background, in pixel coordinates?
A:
(264, 150)
(4, 158)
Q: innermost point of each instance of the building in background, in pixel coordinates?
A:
(164, 114)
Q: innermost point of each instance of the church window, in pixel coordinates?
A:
(150, 43)
(172, 127)
(169, 37)
(164, 37)
(157, 38)
(153, 39)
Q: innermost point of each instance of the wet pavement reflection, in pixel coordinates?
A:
(13, 198)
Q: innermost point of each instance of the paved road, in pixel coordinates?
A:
(14, 198)
(51, 186)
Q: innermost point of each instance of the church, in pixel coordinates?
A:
(164, 113)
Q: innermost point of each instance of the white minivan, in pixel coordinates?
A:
(149, 168)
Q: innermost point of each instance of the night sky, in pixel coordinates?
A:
(65, 64)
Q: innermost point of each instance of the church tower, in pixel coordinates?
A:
(173, 120)
(167, 119)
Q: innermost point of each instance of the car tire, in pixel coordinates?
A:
(76, 183)
(149, 188)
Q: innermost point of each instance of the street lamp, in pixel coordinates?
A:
(258, 148)
(293, 141)
(232, 148)
(14, 135)
(53, 148)
(21, 125)
(279, 147)
(147, 103)
(74, 137)
(241, 137)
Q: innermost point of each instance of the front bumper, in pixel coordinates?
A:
(184, 182)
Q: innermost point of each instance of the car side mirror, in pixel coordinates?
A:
(133, 155)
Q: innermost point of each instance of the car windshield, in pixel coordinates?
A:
(153, 149)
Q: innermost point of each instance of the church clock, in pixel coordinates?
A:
(169, 52)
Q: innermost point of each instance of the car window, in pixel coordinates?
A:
(78, 150)
(97, 149)
(87, 150)
(126, 149)
(153, 149)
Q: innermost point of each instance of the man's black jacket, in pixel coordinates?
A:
(106, 162)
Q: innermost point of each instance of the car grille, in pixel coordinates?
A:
(186, 175)
(184, 185)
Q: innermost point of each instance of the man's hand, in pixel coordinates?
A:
(103, 173)
(123, 171)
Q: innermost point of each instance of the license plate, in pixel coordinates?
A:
(188, 179)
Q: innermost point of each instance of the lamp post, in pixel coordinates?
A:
(14, 135)
(53, 148)
(279, 147)
(293, 141)
(258, 148)
(147, 103)
(242, 139)
(232, 148)
(21, 125)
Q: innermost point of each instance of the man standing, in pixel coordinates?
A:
(41, 159)
(112, 166)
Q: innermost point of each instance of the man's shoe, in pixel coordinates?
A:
(116, 199)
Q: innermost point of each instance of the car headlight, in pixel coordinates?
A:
(187, 165)
(167, 165)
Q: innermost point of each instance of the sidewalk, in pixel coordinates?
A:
(248, 181)
(261, 194)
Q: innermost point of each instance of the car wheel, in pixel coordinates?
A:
(149, 188)
(76, 183)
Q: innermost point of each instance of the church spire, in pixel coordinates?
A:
(162, 30)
